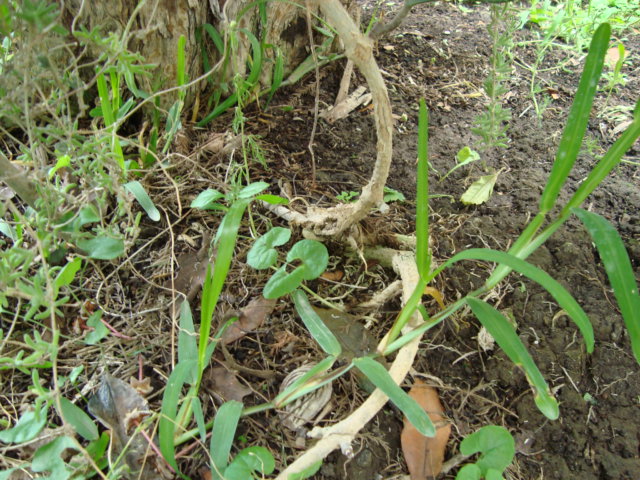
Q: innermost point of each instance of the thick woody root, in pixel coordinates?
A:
(335, 221)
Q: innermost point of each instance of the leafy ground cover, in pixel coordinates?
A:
(439, 54)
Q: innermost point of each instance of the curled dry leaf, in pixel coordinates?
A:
(121, 409)
(333, 275)
(251, 317)
(225, 384)
(143, 386)
(424, 455)
(306, 408)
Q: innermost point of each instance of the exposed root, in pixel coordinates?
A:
(331, 222)
(342, 433)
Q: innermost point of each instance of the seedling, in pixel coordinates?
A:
(497, 449)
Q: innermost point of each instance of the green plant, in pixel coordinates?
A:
(569, 26)
(311, 256)
(390, 195)
(194, 356)
(74, 179)
(614, 76)
(497, 449)
(609, 244)
(576, 22)
(493, 124)
(239, 90)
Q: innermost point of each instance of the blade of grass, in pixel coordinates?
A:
(222, 435)
(318, 330)
(406, 312)
(302, 385)
(505, 335)
(169, 411)
(215, 37)
(619, 270)
(214, 282)
(278, 75)
(180, 68)
(607, 163)
(380, 377)
(256, 58)
(578, 118)
(107, 114)
(138, 191)
(423, 259)
(557, 291)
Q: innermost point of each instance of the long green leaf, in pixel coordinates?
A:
(180, 65)
(303, 385)
(319, 331)
(220, 109)
(169, 410)
(222, 436)
(256, 58)
(214, 282)
(380, 377)
(187, 344)
(215, 37)
(138, 191)
(107, 113)
(423, 259)
(619, 270)
(105, 102)
(407, 311)
(578, 118)
(607, 163)
(503, 332)
(557, 291)
(278, 74)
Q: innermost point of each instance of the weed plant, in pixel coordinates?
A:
(568, 26)
(493, 124)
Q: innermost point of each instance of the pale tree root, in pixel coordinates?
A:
(341, 221)
(338, 220)
(343, 433)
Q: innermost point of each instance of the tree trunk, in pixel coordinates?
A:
(153, 28)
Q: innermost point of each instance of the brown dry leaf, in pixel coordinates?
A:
(553, 93)
(333, 276)
(435, 293)
(251, 317)
(612, 57)
(224, 383)
(143, 387)
(205, 473)
(424, 455)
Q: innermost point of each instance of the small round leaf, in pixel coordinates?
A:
(262, 255)
(313, 255)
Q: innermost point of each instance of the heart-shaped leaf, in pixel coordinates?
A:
(314, 257)
(262, 255)
(496, 446)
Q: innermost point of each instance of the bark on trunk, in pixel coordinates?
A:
(153, 28)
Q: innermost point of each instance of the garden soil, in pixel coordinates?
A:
(441, 54)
